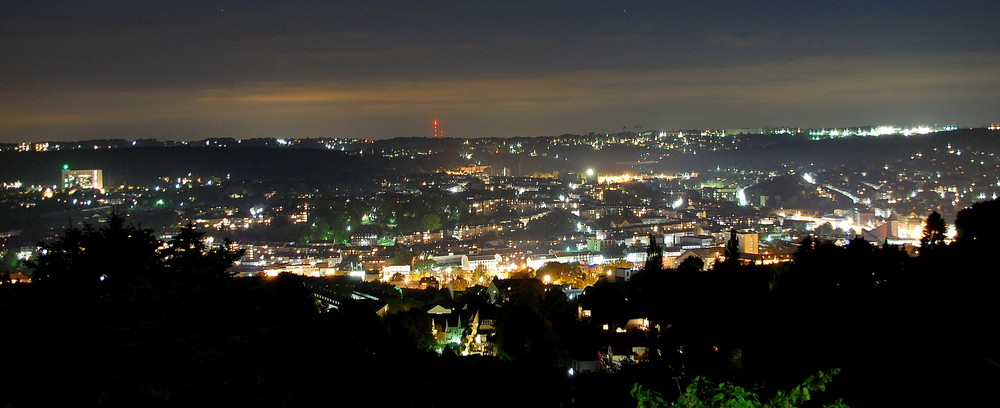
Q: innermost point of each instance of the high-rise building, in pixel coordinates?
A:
(84, 179)
(748, 242)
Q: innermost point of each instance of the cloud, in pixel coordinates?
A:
(370, 52)
(742, 41)
(811, 80)
(820, 88)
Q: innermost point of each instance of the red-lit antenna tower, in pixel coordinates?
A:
(437, 131)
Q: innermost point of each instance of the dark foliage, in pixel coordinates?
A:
(114, 320)
(893, 323)
(654, 256)
(934, 234)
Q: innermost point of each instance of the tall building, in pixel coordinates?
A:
(85, 179)
(748, 242)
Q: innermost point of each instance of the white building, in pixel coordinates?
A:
(489, 262)
(83, 179)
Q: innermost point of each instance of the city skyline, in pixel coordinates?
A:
(188, 71)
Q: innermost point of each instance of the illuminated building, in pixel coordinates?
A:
(748, 242)
(694, 241)
(490, 262)
(84, 179)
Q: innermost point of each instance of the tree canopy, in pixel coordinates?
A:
(119, 260)
(702, 393)
(934, 233)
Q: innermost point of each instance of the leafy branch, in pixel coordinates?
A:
(702, 393)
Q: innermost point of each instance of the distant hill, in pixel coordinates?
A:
(769, 151)
(138, 164)
(144, 163)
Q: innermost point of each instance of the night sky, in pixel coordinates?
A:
(183, 70)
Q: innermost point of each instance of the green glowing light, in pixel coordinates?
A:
(65, 167)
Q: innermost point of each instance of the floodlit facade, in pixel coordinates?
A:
(748, 243)
(85, 179)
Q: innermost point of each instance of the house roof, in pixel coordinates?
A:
(502, 285)
(438, 309)
(482, 257)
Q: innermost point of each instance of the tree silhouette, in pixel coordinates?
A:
(807, 246)
(691, 264)
(125, 319)
(186, 258)
(654, 256)
(113, 259)
(934, 233)
(410, 329)
(978, 225)
(120, 261)
(524, 335)
(860, 259)
(733, 248)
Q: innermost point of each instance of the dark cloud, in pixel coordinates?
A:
(190, 69)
